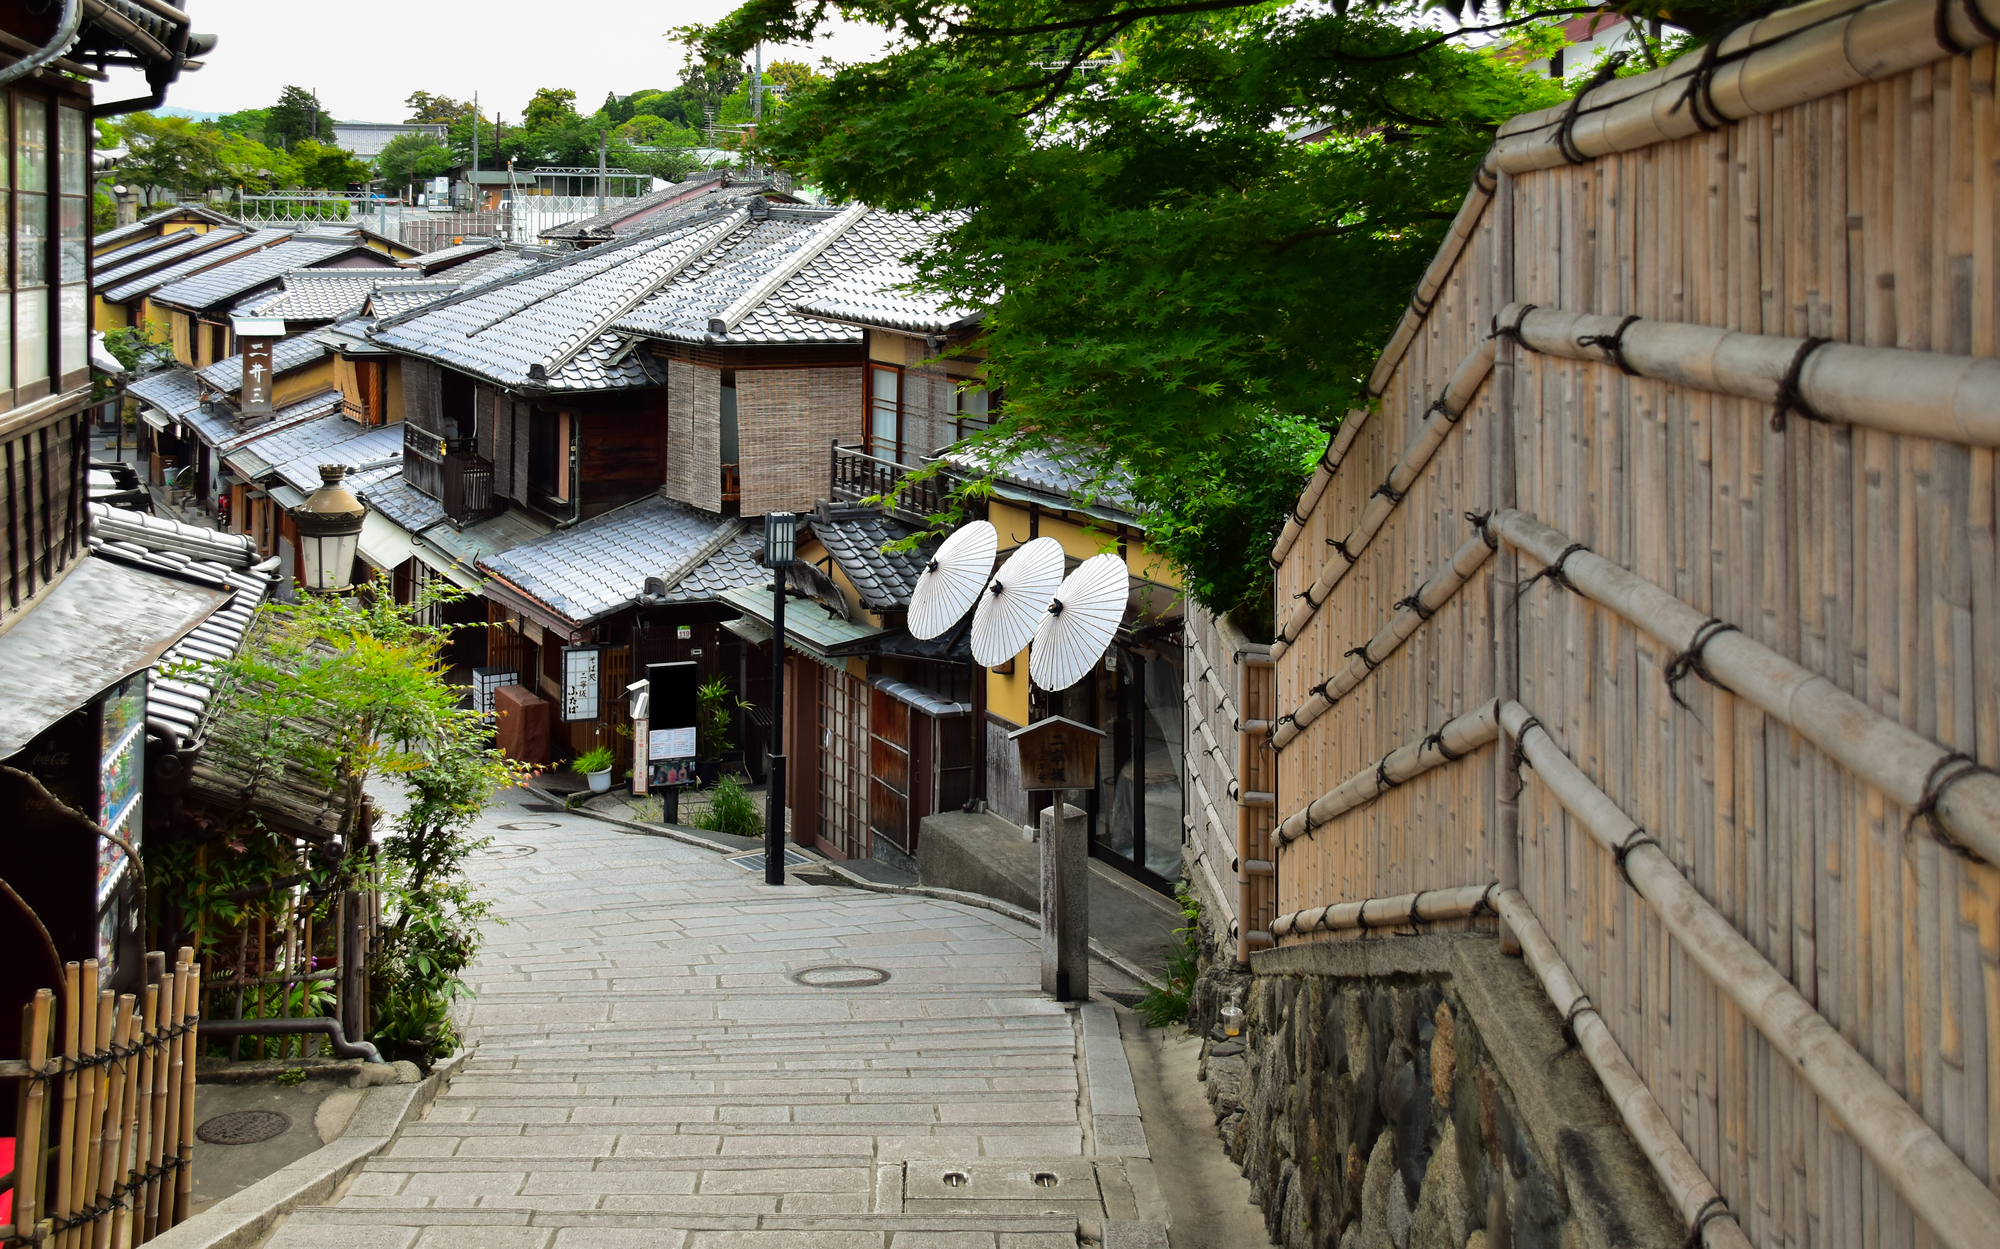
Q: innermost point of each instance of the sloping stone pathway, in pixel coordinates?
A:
(667, 1053)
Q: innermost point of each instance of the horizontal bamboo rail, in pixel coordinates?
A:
(1917, 774)
(1442, 417)
(1458, 736)
(1894, 389)
(1939, 1188)
(1411, 612)
(1403, 911)
(1701, 1206)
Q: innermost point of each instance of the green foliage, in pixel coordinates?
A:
(297, 115)
(1168, 1004)
(326, 167)
(293, 1077)
(249, 123)
(140, 346)
(596, 759)
(549, 107)
(425, 107)
(172, 153)
(216, 888)
(714, 707)
(1165, 268)
(413, 156)
(731, 810)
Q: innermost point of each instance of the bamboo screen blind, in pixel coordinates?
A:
(1865, 217)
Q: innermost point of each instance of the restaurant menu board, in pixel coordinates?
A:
(121, 773)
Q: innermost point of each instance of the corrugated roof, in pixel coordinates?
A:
(651, 211)
(287, 354)
(234, 245)
(547, 328)
(809, 627)
(601, 565)
(855, 536)
(762, 249)
(874, 297)
(246, 273)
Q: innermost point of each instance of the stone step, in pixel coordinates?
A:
(344, 1227)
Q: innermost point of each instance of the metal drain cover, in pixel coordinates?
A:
(244, 1127)
(530, 826)
(839, 976)
(507, 852)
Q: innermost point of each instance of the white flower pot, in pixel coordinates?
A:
(600, 782)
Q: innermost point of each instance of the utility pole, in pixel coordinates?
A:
(477, 203)
(757, 89)
(600, 171)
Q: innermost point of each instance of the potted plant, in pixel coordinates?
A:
(714, 708)
(595, 766)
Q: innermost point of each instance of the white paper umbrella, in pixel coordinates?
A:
(1079, 623)
(1015, 600)
(957, 573)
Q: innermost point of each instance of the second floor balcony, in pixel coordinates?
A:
(858, 476)
(450, 470)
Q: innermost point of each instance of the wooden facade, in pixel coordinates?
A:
(1803, 199)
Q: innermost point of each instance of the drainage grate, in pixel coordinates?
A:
(754, 862)
(839, 976)
(244, 1127)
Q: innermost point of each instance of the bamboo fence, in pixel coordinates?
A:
(1231, 804)
(104, 1134)
(1731, 444)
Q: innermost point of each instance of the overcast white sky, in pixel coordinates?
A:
(365, 56)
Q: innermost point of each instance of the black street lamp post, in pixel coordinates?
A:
(780, 541)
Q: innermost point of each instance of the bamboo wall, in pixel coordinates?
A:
(1865, 217)
(1228, 697)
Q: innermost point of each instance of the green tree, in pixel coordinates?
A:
(296, 115)
(411, 158)
(550, 106)
(250, 165)
(790, 77)
(172, 153)
(250, 123)
(1166, 270)
(425, 107)
(326, 167)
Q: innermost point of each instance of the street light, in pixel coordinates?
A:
(329, 526)
(781, 533)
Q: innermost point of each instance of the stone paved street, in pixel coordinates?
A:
(668, 1053)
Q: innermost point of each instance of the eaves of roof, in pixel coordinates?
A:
(809, 627)
(232, 246)
(202, 291)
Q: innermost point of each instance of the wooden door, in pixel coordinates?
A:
(889, 769)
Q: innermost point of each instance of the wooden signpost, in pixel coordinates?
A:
(1060, 754)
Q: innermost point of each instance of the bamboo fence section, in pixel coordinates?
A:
(1231, 815)
(1824, 592)
(104, 1133)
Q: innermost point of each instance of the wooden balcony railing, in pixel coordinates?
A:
(857, 476)
(732, 483)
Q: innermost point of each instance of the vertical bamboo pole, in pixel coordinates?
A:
(97, 1084)
(1506, 817)
(159, 1014)
(110, 1168)
(66, 1134)
(184, 1176)
(131, 1118)
(178, 989)
(31, 1114)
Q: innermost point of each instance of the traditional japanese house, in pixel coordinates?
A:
(649, 212)
(198, 307)
(142, 254)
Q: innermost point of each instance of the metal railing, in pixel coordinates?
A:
(858, 477)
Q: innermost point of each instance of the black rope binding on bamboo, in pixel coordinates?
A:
(1712, 1209)
(1367, 660)
(1945, 773)
(1788, 398)
(1633, 840)
(1520, 752)
(1941, 29)
(1986, 28)
(1415, 898)
(1577, 1007)
(1699, 97)
(1690, 660)
(1361, 916)
(1613, 345)
(1485, 904)
(1415, 602)
(1514, 331)
(1553, 571)
(1340, 544)
(1383, 781)
(1479, 522)
(1388, 491)
(1436, 742)
(1563, 139)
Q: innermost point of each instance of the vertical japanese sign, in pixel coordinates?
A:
(582, 667)
(257, 376)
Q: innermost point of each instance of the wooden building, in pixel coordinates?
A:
(1654, 606)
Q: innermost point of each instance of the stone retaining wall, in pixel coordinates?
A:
(1419, 1092)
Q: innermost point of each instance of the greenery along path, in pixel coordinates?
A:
(653, 1065)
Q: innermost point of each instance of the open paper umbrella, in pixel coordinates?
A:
(951, 584)
(1015, 601)
(1080, 622)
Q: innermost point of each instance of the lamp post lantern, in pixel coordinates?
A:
(781, 531)
(329, 526)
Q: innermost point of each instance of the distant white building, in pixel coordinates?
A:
(366, 139)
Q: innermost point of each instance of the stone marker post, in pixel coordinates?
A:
(1066, 903)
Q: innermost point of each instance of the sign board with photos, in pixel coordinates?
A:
(671, 740)
(582, 682)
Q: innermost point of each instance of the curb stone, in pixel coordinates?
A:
(242, 1220)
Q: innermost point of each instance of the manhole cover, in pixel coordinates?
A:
(507, 852)
(840, 976)
(243, 1127)
(530, 826)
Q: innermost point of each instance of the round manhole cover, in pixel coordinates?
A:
(839, 976)
(243, 1127)
(507, 852)
(530, 826)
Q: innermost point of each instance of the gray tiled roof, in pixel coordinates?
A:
(360, 448)
(762, 249)
(447, 257)
(601, 565)
(873, 298)
(181, 211)
(161, 249)
(233, 244)
(855, 536)
(530, 324)
(394, 298)
(182, 701)
(215, 424)
(250, 272)
(1058, 472)
(403, 503)
(286, 354)
(318, 295)
(629, 214)
(739, 563)
(259, 457)
(175, 391)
